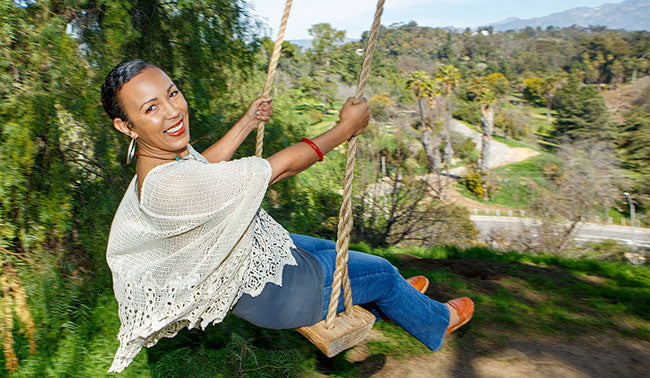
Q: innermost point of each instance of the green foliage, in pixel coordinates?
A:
(468, 111)
(325, 39)
(473, 182)
(464, 147)
(380, 106)
(513, 122)
(238, 358)
(533, 91)
(498, 84)
(517, 185)
(634, 140)
(582, 113)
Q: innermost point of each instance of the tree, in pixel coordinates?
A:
(423, 87)
(543, 89)
(549, 86)
(634, 140)
(62, 173)
(402, 210)
(582, 113)
(324, 43)
(421, 84)
(498, 83)
(486, 98)
(533, 92)
(449, 78)
(514, 122)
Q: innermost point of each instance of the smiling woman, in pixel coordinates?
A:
(190, 242)
(158, 114)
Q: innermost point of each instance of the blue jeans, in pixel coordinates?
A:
(376, 281)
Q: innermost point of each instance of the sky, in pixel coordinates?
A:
(355, 16)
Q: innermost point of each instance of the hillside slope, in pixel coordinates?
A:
(628, 15)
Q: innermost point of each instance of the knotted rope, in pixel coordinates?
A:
(270, 73)
(345, 214)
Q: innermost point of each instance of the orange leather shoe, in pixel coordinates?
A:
(465, 309)
(420, 283)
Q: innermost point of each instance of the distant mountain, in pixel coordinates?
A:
(306, 43)
(628, 15)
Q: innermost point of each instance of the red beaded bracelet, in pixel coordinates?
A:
(314, 146)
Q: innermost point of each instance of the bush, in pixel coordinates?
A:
(380, 106)
(514, 123)
(463, 146)
(468, 111)
(608, 249)
(472, 180)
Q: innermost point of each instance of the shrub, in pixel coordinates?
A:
(472, 180)
(463, 146)
(468, 111)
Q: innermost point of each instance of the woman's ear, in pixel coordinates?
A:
(124, 127)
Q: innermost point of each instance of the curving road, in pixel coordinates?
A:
(589, 232)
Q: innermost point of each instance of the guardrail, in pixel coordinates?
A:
(644, 223)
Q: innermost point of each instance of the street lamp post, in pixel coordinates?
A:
(629, 201)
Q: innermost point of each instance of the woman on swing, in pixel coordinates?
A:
(190, 242)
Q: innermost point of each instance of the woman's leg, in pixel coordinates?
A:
(374, 279)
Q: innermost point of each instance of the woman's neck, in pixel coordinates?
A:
(148, 160)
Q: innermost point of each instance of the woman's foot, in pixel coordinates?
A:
(460, 312)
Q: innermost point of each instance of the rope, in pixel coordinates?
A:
(345, 214)
(270, 75)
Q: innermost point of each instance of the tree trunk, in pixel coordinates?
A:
(421, 109)
(548, 109)
(487, 125)
(448, 151)
(431, 150)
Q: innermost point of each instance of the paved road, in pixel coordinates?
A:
(588, 232)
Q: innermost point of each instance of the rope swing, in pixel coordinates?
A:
(343, 331)
(270, 73)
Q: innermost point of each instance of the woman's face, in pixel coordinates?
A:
(157, 111)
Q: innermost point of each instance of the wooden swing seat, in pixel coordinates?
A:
(347, 331)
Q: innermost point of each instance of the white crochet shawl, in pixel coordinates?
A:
(184, 254)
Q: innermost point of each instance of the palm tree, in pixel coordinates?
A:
(420, 82)
(424, 88)
(549, 86)
(486, 98)
(449, 77)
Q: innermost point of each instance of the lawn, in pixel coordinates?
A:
(516, 184)
(517, 296)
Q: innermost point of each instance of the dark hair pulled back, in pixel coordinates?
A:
(119, 76)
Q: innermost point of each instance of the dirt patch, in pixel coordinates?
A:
(601, 356)
(470, 204)
(483, 269)
(519, 154)
(593, 279)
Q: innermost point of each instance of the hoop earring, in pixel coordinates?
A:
(131, 151)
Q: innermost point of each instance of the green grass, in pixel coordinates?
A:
(530, 296)
(540, 124)
(516, 184)
(515, 143)
(516, 295)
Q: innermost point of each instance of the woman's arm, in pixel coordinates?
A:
(223, 149)
(298, 157)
